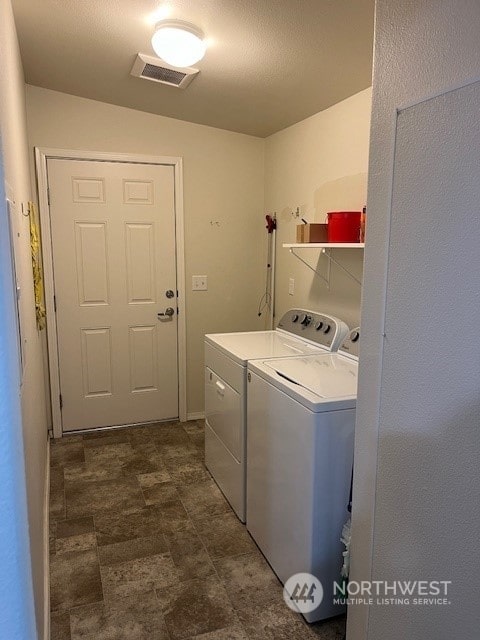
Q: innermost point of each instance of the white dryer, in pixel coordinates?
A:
(301, 419)
(299, 332)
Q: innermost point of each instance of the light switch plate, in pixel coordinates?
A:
(199, 283)
(291, 286)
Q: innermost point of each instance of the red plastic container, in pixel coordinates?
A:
(343, 226)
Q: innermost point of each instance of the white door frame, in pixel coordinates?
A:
(43, 154)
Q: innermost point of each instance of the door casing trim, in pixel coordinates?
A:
(42, 154)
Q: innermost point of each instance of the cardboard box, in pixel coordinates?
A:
(312, 233)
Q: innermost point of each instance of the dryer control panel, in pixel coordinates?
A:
(351, 344)
(318, 328)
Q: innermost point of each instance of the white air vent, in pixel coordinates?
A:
(157, 70)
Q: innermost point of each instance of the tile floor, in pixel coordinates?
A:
(143, 546)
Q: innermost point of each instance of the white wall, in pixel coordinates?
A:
(319, 165)
(416, 500)
(22, 452)
(223, 183)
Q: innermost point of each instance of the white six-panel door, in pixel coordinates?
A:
(113, 245)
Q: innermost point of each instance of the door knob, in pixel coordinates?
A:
(169, 311)
(169, 293)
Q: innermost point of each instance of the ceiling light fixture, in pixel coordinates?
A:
(179, 43)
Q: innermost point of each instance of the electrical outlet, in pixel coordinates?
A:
(291, 286)
(199, 283)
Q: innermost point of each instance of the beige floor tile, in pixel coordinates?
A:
(181, 568)
(81, 542)
(160, 493)
(148, 480)
(117, 527)
(74, 580)
(203, 499)
(138, 576)
(189, 554)
(225, 536)
(249, 580)
(132, 618)
(132, 550)
(60, 626)
(88, 498)
(194, 607)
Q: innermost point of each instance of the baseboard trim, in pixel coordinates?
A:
(46, 549)
(196, 415)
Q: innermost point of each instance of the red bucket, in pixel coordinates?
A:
(343, 226)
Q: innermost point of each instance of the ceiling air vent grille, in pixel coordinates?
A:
(157, 70)
(162, 74)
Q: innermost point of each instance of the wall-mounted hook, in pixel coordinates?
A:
(214, 223)
(271, 222)
(296, 214)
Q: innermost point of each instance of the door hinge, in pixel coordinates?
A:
(48, 195)
(61, 401)
(55, 303)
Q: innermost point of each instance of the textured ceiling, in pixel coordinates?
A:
(270, 63)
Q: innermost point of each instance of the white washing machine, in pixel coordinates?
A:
(299, 332)
(301, 419)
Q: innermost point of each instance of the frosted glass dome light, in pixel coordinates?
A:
(178, 43)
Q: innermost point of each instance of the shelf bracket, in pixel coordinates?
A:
(322, 277)
(327, 253)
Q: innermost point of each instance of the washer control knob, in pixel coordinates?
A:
(295, 317)
(305, 320)
(354, 336)
(318, 325)
(326, 328)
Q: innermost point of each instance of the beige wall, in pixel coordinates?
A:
(16, 167)
(223, 183)
(319, 165)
